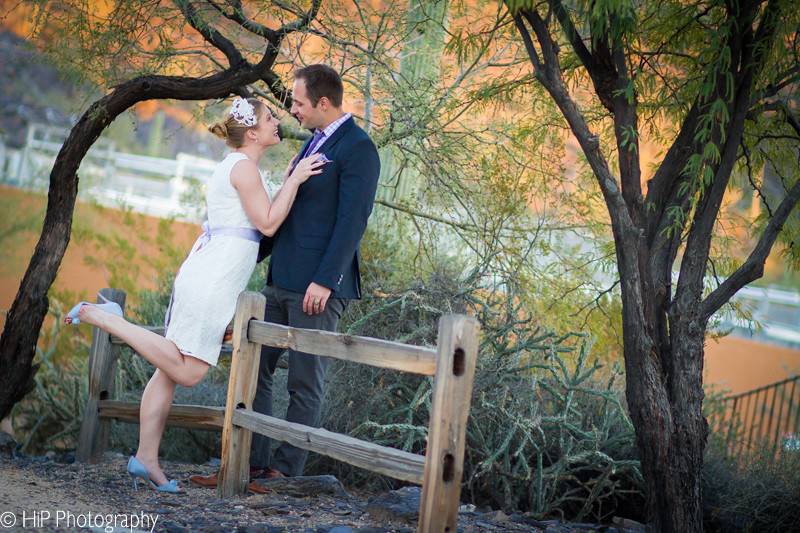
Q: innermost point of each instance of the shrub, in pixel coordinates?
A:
(544, 434)
(756, 493)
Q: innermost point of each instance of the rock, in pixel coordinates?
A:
(401, 504)
(259, 528)
(66, 458)
(370, 529)
(275, 509)
(628, 524)
(466, 508)
(495, 516)
(303, 486)
(111, 529)
(7, 444)
(170, 527)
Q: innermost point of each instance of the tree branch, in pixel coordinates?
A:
(751, 53)
(573, 36)
(241, 19)
(753, 267)
(662, 187)
(548, 72)
(609, 73)
(209, 33)
(529, 46)
(790, 118)
(300, 23)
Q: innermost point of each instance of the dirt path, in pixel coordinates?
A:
(90, 497)
(34, 501)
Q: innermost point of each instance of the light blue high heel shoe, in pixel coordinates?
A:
(108, 307)
(137, 470)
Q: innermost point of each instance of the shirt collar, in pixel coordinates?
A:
(333, 126)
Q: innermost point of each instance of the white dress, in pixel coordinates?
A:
(209, 281)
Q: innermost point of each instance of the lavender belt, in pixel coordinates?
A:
(248, 234)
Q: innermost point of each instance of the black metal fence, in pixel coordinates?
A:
(766, 418)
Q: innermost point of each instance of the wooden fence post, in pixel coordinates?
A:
(102, 368)
(234, 472)
(457, 348)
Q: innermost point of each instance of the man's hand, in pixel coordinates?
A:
(316, 298)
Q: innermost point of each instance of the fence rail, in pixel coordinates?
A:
(439, 471)
(766, 417)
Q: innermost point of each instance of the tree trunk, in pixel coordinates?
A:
(25, 318)
(671, 430)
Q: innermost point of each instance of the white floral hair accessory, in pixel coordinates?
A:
(243, 112)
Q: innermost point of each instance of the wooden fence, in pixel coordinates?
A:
(439, 471)
(766, 417)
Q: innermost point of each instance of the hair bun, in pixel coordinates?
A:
(220, 130)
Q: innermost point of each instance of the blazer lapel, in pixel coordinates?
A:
(340, 132)
(305, 145)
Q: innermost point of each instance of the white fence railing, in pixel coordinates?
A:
(151, 185)
(774, 315)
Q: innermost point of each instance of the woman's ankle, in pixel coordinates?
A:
(146, 459)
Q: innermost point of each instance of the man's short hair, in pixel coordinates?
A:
(322, 80)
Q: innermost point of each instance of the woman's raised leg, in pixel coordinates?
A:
(159, 351)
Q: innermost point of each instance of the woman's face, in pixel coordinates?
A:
(266, 130)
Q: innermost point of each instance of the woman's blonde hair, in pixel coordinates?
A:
(232, 131)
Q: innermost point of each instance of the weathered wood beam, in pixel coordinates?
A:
(184, 416)
(381, 459)
(366, 350)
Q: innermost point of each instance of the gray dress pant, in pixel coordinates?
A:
(306, 379)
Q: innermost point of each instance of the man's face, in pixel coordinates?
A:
(309, 116)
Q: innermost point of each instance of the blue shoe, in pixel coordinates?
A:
(137, 470)
(108, 307)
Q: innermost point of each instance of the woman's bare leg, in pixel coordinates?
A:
(159, 351)
(156, 402)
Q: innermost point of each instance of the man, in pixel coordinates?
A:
(314, 266)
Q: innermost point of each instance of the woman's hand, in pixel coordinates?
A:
(307, 167)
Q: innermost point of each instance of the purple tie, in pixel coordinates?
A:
(314, 142)
(319, 134)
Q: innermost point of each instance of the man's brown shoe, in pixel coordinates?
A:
(255, 488)
(212, 480)
(271, 473)
(208, 482)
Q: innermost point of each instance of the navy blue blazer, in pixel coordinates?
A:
(319, 240)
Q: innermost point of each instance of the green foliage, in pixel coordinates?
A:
(758, 493)
(547, 432)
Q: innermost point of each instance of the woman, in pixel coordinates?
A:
(209, 280)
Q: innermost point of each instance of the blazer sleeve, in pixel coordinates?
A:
(358, 182)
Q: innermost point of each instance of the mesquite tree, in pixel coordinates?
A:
(723, 73)
(122, 27)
